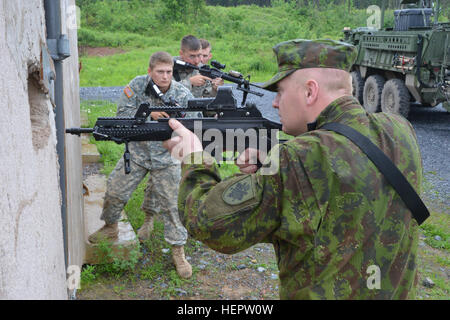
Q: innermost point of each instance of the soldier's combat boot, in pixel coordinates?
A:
(109, 232)
(184, 269)
(146, 229)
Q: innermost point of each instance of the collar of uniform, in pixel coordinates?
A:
(335, 110)
(312, 126)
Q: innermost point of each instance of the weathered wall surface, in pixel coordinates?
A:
(71, 97)
(31, 238)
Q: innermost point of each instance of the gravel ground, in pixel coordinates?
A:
(432, 127)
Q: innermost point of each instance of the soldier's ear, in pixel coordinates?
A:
(149, 70)
(311, 91)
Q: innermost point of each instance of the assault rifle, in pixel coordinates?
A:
(234, 129)
(243, 84)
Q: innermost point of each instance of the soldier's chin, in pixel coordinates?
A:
(164, 85)
(288, 131)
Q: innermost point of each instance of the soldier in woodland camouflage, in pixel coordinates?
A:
(331, 216)
(149, 157)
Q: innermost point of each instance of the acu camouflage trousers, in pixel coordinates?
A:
(161, 195)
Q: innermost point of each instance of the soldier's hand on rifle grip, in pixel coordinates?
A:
(199, 80)
(156, 115)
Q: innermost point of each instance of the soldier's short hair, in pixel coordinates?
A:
(205, 43)
(331, 79)
(160, 57)
(190, 43)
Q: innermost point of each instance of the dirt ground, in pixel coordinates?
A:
(98, 51)
(248, 275)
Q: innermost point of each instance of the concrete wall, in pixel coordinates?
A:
(32, 262)
(71, 97)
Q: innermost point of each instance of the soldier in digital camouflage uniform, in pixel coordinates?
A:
(200, 86)
(339, 230)
(205, 51)
(149, 157)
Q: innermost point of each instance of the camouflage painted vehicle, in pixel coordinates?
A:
(409, 62)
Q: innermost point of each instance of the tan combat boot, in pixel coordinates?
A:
(146, 229)
(108, 232)
(184, 269)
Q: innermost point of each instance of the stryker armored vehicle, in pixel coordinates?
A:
(406, 63)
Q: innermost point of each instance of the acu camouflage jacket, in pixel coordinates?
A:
(150, 154)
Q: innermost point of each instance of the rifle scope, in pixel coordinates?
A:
(217, 64)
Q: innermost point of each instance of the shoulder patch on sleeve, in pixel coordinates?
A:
(128, 92)
(239, 192)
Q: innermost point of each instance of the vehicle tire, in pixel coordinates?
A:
(358, 85)
(395, 98)
(372, 93)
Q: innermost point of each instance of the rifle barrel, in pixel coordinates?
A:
(79, 131)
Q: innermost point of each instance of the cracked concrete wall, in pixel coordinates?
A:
(31, 239)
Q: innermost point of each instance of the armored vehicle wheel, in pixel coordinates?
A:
(395, 98)
(372, 93)
(358, 86)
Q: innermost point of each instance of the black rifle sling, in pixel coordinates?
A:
(176, 75)
(387, 168)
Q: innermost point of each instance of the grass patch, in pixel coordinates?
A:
(434, 256)
(437, 230)
(158, 267)
(443, 261)
(441, 289)
(242, 38)
(110, 151)
(115, 263)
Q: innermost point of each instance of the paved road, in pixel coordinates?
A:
(432, 126)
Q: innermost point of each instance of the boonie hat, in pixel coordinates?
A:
(298, 54)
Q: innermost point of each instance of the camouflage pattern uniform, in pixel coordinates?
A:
(148, 157)
(328, 211)
(204, 91)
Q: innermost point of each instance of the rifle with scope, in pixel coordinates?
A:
(243, 84)
(233, 129)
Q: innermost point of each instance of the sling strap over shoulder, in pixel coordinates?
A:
(387, 168)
